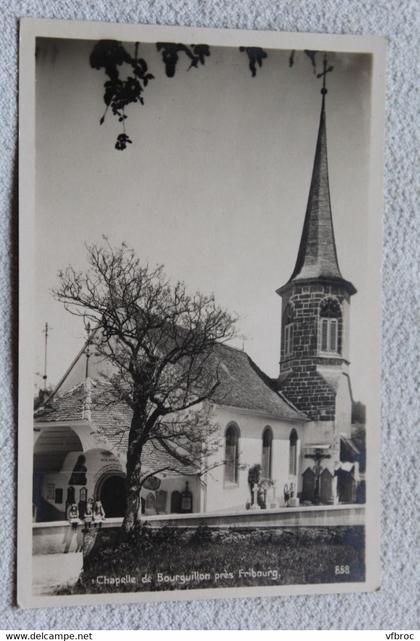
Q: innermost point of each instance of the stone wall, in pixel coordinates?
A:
(49, 538)
(310, 393)
(304, 386)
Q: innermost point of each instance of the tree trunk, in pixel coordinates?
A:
(132, 512)
(134, 465)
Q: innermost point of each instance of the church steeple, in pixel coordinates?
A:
(317, 255)
(314, 355)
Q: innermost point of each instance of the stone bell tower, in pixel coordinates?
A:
(315, 306)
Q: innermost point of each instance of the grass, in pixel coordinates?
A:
(208, 558)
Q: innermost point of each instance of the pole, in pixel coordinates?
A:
(44, 378)
(87, 351)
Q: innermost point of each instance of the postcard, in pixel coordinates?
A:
(200, 251)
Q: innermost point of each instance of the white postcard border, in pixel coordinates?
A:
(30, 29)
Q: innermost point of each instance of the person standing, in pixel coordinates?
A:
(73, 515)
(88, 515)
(98, 513)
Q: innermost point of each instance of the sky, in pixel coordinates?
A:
(214, 186)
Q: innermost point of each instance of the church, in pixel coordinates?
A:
(284, 442)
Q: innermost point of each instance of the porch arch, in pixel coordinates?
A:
(111, 490)
(51, 448)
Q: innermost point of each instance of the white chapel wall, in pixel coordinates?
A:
(221, 495)
(343, 405)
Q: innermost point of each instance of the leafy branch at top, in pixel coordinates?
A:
(256, 56)
(113, 58)
(121, 91)
(170, 54)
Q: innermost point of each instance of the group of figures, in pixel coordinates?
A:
(92, 513)
(260, 496)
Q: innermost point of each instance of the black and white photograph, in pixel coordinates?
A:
(199, 313)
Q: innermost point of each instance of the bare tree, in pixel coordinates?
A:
(161, 343)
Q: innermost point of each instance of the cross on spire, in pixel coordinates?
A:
(317, 255)
(45, 331)
(323, 74)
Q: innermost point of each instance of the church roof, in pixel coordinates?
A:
(242, 385)
(110, 419)
(317, 255)
(245, 386)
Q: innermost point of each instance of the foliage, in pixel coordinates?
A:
(170, 54)
(254, 475)
(256, 55)
(300, 555)
(358, 412)
(119, 92)
(312, 55)
(202, 535)
(358, 435)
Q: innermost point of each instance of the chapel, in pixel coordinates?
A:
(284, 442)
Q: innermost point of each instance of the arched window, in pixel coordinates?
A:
(83, 494)
(293, 438)
(329, 326)
(70, 494)
(267, 453)
(232, 454)
(288, 331)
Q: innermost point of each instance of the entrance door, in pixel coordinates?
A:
(113, 496)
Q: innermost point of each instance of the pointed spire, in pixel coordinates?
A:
(317, 255)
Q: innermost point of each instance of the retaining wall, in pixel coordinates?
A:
(58, 536)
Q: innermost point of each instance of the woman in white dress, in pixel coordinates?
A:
(98, 513)
(88, 517)
(73, 515)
